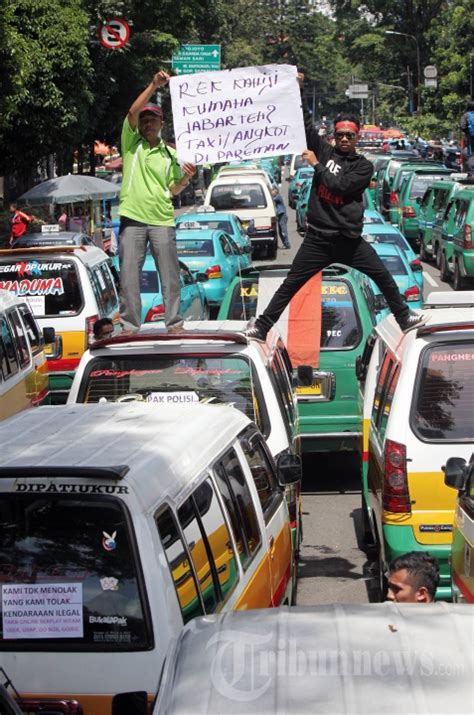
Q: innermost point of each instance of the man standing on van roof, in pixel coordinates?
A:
(413, 578)
(335, 218)
(151, 175)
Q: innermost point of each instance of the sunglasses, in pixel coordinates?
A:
(341, 135)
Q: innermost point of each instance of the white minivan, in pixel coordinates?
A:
(120, 523)
(249, 198)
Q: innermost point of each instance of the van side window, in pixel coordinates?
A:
(178, 562)
(21, 340)
(98, 291)
(210, 545)
(380, 390)
(362, 362)
(461, 211)
(282, 393)
(262, 472)
(238, 501)
(110, 296)
(8, 356)
(32, 330)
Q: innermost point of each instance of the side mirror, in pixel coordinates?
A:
(360, 372)
(304, 376)
(134, 703)
(251, 227)
(455, 473)
(289, 469)
(247, 249)
(416, 265)
(201, 277)
(379, 303)
(288, 178)
(49, 335)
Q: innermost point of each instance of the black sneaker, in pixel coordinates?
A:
(254, 332)
(411, 321)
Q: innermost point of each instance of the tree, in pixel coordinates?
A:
(47, 95)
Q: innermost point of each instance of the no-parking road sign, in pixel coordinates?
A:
(114, 33)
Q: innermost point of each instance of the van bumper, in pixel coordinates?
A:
(399, 540)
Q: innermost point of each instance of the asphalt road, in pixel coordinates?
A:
(333, 566)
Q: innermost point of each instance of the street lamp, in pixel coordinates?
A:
(418, 61)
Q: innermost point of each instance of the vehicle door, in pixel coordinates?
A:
(447, 227)
(231, 261)
(442, 208)
(275, 512)
(425, 220)
(248, 531)
(191, 303)
(243, 259)
(462, 206)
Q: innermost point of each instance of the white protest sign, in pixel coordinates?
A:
(237, 114)
(46, 610)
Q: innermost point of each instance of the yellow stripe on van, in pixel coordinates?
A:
(432, 520)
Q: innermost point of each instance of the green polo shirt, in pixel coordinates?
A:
(147, 175)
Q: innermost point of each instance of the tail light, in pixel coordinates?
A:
(393, 199)
(373, 184)
(396, 497)
(416, 265)
(467, 236)
(273, 223)
(408, 212)
(90, 329)
(411, 294)
(214, 272)
(155, 313)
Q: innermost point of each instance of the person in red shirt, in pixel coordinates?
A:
(19, 221)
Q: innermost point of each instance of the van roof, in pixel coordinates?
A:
(442, 322)
(86, 254)
(323, 659)
(174, 442)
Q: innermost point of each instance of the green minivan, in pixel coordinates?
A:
(432, 207)
(457, 250)
(411, 192)
(327, 407)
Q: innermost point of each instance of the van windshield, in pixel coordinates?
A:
(51, 285)
(340, 325)
(238, 196)
(442, 406)
(68, 573)
(174, 379)
(421, 183)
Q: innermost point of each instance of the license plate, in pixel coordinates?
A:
(314, 389)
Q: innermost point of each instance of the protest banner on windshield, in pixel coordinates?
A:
(238, 114)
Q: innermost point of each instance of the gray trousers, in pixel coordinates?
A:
(133, 242)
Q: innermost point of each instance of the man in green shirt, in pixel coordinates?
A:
(151, 176)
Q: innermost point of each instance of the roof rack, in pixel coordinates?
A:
(72, 472)
(444, 327)
(150, 336)
(334, 269)
(450, 299)
(41, 249)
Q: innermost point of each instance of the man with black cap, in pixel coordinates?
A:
(151, 175)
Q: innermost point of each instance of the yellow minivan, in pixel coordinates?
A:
(417, 409)
(121, 523)
(23, 370)
(68, 288)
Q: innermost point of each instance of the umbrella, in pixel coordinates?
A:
(68, 189)
(101, 149)
(393, 134)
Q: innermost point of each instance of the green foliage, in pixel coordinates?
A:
(60, 89)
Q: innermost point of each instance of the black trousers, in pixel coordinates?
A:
(317, 252)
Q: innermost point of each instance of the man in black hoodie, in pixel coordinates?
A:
(334, 218)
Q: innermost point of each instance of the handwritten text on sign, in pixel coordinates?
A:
(46, 610)
(237, 114)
